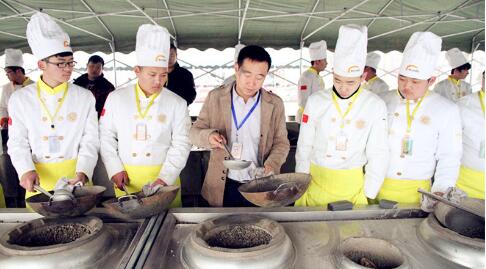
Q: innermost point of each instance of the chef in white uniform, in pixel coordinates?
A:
(310, 81)
(471, 174)
(344, 132)
(144, 128)
(373, 83)
(424, 127)
(454, 87)
(53, 126)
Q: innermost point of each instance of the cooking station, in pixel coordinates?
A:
(284, 237)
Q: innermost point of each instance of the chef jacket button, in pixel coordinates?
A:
(344, 158)
(333, 119)
(44, 118)
(61, 157)
(396, 114)
(399, 173)
(47, 157)
(148, 154)
(59, 100)
(61, 137)
(402, 155)
(328, 155)
(45, 138)
(134, 154)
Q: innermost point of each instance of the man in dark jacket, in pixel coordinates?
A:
(180, 81)
(94, 81)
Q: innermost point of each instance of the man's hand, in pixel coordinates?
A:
(120, 179)
(153, 187)
(4, 123)
(428, 204)
(158, 181)
(268, 170)
(216, 140)
(80, 177)
(28, 180)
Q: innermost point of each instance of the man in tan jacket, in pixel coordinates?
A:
(247, 118)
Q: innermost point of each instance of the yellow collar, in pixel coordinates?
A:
(141, 93)
(47, 89)
(313, 70)
(453, 80)
(26, 82)
(372, 79)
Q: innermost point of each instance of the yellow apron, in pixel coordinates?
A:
(403, 190)
(472, 182)
(2, 198)
(139, 175)
(330, 185)
(50, 173)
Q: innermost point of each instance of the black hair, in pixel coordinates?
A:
(254, 53)
(96, 59)
(61, 54)
(172, 46)
(15, 68)
(465, 66)
(312, 62)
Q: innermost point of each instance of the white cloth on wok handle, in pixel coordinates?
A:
(452, 194)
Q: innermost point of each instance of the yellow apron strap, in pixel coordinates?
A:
(472, 182)
(330, 185)
(50, 173)
(403, 190)
(142, 174)
(2, 198)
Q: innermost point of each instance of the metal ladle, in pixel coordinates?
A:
(233, 163)
(57, 196)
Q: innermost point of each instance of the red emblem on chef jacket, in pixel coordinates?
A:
(303, 87)
(305, 118)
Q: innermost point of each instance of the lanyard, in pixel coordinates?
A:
(410, 118)
(456, 86)
(370, 81)
(247, 115)
(46, 110)
(481, 99)
(137, 99)
(353, 99)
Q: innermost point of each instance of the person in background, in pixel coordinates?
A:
(344, 132)
(424, 128)
(17, 79)
(180, 80)
(471, 174)
(94, 81)
(310, 81)
(53, 127)
(454, 87)
(250, 120)
(144, 128)
(373, 83)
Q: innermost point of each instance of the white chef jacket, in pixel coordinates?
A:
(376, 85)
(309, 83)
(76, 126)
(472, 117)
(7, 91)
(437, 142)
(167, 124)
(453, 89)
(248, 135)
(365, 128)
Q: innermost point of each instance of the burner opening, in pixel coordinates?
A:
(51, 235)
(464, 223)
(237, 236)
(371, 253)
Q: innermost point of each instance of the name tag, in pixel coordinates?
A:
(341, 142)
(407, 145)
(236, 150)
(141, 132)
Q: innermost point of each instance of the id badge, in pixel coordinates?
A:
(407, 145)
(141, 132)
(54, 144)
(481, 150)
(341, 142)
(236, 150)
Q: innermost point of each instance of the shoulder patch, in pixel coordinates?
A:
(303, 87)
(305, 118)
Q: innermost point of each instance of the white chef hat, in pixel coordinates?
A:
(153, 46)
(13, 57)
(373, 59)
(455, 58)
(238, 48)
(350, 53)
(46, 37)
(318, 50)
(420, 55)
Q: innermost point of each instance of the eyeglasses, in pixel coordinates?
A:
(63, 64)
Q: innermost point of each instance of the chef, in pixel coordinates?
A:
(344, 132)
(424, 127)
(144, 128)
(373, 83)
(454, 87)
(53, 126)
(310, 81)
(471, 174)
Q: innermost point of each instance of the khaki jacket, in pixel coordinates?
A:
(215, 115)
